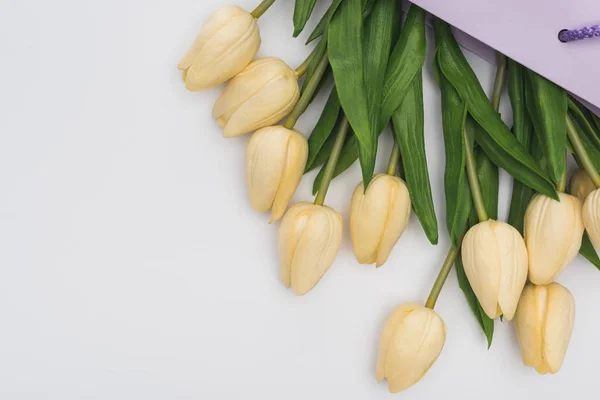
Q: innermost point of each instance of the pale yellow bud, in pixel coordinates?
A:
(412, 341)
(495, 260)
(309, 240)
(553, 233)
(275, 161)
(544, 323)
(378, 217)
(582, 185)
(261, 95)
(226, 44)
(591, 216)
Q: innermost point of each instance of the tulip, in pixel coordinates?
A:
(261, 95)
(309, 240)
(582, 185)
(275, 161)
(544, 323)
(495, 261)
(591, 216)
(378, 217)
(412, 340)
(226, 44)
(553, 233)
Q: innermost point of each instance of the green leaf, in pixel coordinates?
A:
(596, 121)
(406, 62)
(593, 153)
(496, 139)
(547, 106)
(588, 251)
(345, 49)
(458, 194)
(302, 11)
(489, 180)
(585, 122)
(324, 22)
(409, 121)
(485, 322)
(323, 129)
(316, 55)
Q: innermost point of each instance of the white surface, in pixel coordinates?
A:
(132, 266)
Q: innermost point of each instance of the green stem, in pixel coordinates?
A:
(262, 8)
(473, 179)
(303, 68)
(499, 80)
(309, 91)
(562, 185)
(394, 160)
(332, 162)
(581, 152)
(441, 279)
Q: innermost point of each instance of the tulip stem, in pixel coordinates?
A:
(441, 279)
(499, 80)
(562, 184)
(332, 162)
(473, 179)
(303, 68)
(582, 153)
(394, 160)
(262, 8)
(310, 87)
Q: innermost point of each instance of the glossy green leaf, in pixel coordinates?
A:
(324, 21)
(593, 153)
(596, 121)
(406, 62)
(485, 322)
(303, 9)
(318, 52)
(323, 129)
(409, 121)
(588, 251)
(345, 49)
(496, 139)
(585, 122)
(547, 106)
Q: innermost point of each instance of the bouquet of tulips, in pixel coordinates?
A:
(375, 58)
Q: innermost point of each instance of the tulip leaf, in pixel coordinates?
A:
(303, 9)
(347, 158)
(588, 251)
(406, 62)
(345, 49)
(596, 121)
(585, 122)
(593, 153)
(321, 27)
(317, 54)
(489, 181)
(409, 121)
(323, 129)
(495, 138)
(485, 322)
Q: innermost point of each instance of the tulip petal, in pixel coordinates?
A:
(392, 323)
(399, 210)
(558, 326)
(591, 216)
(528, 324)
(290, 231)
(513, 253)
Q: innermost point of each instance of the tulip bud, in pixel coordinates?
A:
(495, 260)
(582, 185)
(553, 234)
(378, 217)
(275, 161)
(309, 240)
(591, 216)
(261, 95)
(544, 323)
(412, 340)
(226, 44)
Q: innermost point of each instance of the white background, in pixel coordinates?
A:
(132, 266)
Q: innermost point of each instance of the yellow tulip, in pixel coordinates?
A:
(591, 216)
(226, 44)
(378, 217)
(495, 261)
(309, 240)
(544, 323)
(582, 185)
(275, 161)
(553, 234)
(261, 95)
(412, 341)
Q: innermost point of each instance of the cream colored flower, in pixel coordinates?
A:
(226, 44)
(378, 218)
(582, 185)
(495, 260)
(591, 216)
(544, 323)
(275, 161)
(412, 340)
(261, 95)
(309, 240)
(553, 234)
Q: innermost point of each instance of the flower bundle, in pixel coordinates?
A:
(505, 269)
